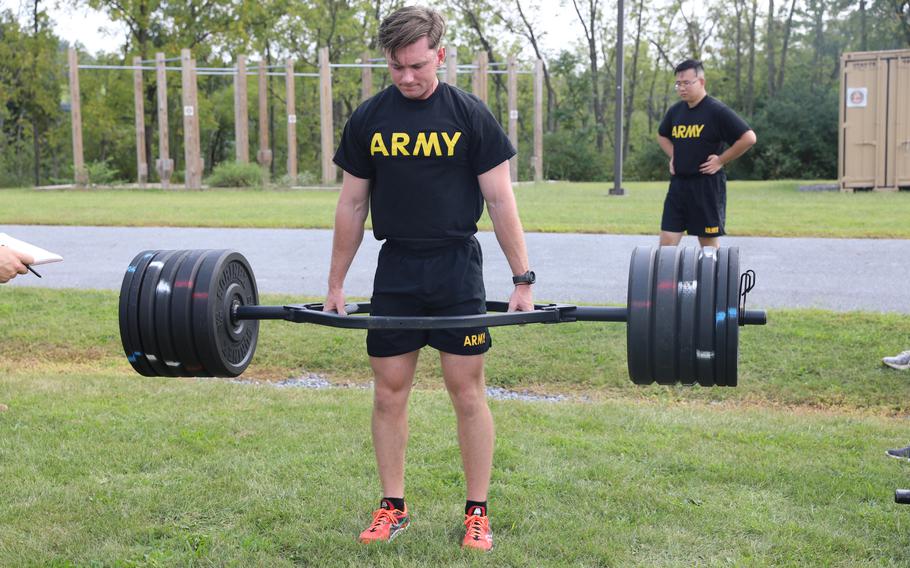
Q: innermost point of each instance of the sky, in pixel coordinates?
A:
(96, 32)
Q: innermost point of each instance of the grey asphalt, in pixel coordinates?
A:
(836, 274)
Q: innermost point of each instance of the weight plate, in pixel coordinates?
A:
(664, 327)
(638, 326)
(225, 280)
(129, 328)
(733, 317)
(146, 313)
(720, 317)
(704, 342)
(182, 315)
(688, 308)
(163, 328)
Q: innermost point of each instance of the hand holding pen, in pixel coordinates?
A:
(13, 262)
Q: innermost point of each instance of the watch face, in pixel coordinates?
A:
(528, 277)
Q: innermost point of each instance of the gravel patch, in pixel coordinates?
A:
(820, 187)
(316, 381)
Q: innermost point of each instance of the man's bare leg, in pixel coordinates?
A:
(670, 239)
(393, 379)
(709, 241)
(465, 382)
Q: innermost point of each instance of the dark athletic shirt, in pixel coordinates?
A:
(423, 158)
(698, 132)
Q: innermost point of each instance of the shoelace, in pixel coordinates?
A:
(382, 516)
(477, 526)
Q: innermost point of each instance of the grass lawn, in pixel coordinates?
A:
(754, 208)
(103, 467)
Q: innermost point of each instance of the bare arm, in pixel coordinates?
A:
(350, 216)
(715, 162)
(667, 146)
(496, 187)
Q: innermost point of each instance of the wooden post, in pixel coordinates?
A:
(164, 165)
(79, 174)
(241, 114)
(452, 67)
(264, 156)
(538, 121)
(142, 167)
(292, 122)
(366, 77)
(329, 173)
(513, 115)
(193, 172)
(480, 76)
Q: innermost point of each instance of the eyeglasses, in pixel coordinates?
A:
(679, 84)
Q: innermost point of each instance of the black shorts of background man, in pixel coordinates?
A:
(423, 157)
(692, 134)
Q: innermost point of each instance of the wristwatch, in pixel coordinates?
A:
(526, 278)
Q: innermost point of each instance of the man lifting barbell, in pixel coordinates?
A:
(423, 157)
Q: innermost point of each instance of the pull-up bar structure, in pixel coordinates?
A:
(164, 164)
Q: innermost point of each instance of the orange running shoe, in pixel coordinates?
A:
(388, 522)
(478, 534)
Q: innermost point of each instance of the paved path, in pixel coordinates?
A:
(836, 274)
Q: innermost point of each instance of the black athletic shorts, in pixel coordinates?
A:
(696, 205)
(439, 281)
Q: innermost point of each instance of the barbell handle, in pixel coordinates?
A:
(312, 313)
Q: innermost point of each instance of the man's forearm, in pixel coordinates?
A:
(738, 148)
(509, 233)
(345, 242)
(666, 145)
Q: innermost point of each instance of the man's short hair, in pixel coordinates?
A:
(690, 64)
(405, 26)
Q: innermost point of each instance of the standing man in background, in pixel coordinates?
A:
(423, 157)
(692, 135)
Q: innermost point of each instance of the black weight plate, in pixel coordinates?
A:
(182, 315)
(163, 294)
(664, 343)
(704, 341)
(733, 317)
(206, 348)
(720, 317)
(224, 347)
(687, 295)
(128, 348)
(146, 313)
(129, 325)
(236, 340)
(638, 326)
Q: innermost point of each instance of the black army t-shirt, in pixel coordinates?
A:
(700, 131)
(423, 158)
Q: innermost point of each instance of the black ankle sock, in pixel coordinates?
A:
(396, 502)
(469, 507)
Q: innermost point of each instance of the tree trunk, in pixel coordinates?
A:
(633, 80)
(740, 6)
(271, 113)
(783, 51)
(36, 129)
(769, 48)
(551, 93)
(863, 44)
(595, 73)
(750, 80)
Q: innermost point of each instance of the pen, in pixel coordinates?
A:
(32, 271)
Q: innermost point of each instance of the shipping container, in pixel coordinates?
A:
(874, 136)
